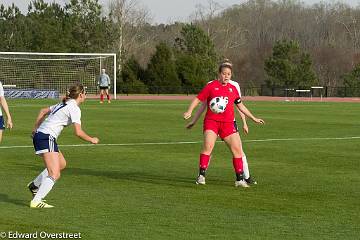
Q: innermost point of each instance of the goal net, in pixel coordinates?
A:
(56, 71)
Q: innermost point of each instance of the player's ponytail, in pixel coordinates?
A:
(67, 97)
(225, 64)
(73, 92)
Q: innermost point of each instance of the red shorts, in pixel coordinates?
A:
(223, 129)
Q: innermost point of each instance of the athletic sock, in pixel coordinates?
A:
(238, 166)
(40, 178)
(44, 189)
(101, 97)
(245, 167)
(204, 161)
(108, 97)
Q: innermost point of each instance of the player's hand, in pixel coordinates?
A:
(94, 140)
(246, 129)
(259, 121)
(9, 124)
(33, 133)
(187, 115)
(190, 125)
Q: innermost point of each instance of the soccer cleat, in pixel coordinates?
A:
(241, 183)
(200, 180)
(109, 101)
(251, 181)
(40, 204)
(101, 101)
(32, 188)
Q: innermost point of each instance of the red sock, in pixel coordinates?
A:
(238, 165)
(204, 161)
(108, 97)
(101, 97)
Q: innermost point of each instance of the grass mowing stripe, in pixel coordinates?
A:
(193, 142)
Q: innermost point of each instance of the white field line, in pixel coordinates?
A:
(192, 142)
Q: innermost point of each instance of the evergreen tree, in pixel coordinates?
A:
(195, 57)
(161, 71)
(352, 82)
(90, 31)
(132, 77)
(288, 66)
(14, 32)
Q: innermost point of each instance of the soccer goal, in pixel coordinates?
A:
(56, 71)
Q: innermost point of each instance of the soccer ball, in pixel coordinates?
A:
(218, 105)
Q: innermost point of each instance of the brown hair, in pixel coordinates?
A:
(225, 64)
(74, 91)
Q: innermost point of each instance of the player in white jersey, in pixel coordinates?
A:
(4, 105)
(45, 134)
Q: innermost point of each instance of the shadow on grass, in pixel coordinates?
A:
(171, 179)
(137, 176)
(5, 198)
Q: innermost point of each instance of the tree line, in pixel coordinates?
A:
(273, 43)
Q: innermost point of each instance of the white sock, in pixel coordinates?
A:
(39, 179)
(245, 167)
(44, 189)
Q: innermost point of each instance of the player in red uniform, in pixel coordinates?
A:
(221, 124)
(249, 179)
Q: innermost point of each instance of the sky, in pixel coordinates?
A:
(166, 11)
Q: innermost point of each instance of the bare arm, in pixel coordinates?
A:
(40, 118)
(191, 108)
(244, 110)
(81, 134)
(5, 106)
(243, 119)
(196, 116)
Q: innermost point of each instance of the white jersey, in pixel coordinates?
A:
(62, 115)
(237, 86)
(1, 95)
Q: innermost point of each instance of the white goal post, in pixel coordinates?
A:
(56, 71)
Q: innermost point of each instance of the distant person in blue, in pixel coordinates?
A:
(4, 106)
(104, 85)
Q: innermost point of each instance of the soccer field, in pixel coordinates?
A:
(139, 182)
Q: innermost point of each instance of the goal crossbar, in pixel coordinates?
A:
(13, 63)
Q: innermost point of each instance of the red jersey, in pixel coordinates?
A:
(230, 91)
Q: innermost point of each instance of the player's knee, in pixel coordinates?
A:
(208, 148)
(236, 152)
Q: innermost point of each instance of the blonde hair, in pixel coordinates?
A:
(73, 92)
(225, 64)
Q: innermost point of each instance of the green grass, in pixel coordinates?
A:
(308, 189)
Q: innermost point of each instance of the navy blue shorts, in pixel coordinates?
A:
(44, 143)
(2, 124)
